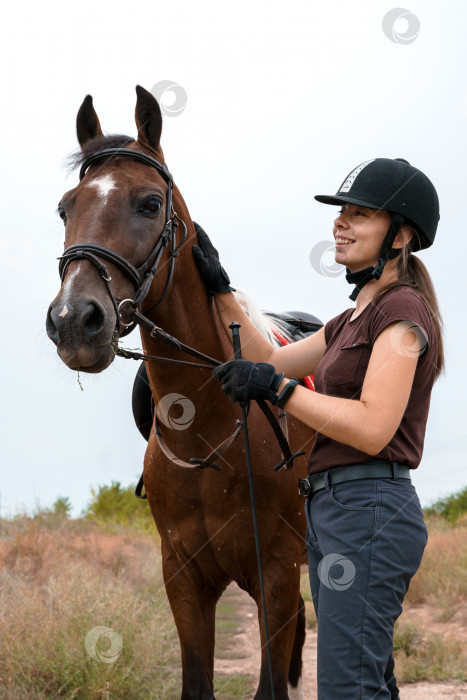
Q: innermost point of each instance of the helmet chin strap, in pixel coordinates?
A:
(362, 277)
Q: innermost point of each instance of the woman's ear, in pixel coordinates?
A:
(403, 237)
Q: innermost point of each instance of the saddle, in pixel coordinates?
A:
(300, 325)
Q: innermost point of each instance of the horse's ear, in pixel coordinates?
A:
(87, 122)
(148, 118)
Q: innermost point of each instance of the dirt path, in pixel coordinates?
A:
(245, 657)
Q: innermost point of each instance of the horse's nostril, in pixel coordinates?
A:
(51, 328)
(93, 319)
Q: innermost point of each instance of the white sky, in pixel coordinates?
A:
(283, 101)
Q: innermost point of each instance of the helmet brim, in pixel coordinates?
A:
(332, 199)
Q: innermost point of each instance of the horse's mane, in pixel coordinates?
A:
(264, 323)
(99, 143)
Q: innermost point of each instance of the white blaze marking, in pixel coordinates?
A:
(66, 290)
(64, 311)
(104, 185)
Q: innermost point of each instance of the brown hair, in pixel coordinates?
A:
(411, 272)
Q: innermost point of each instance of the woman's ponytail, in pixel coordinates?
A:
(411, 272)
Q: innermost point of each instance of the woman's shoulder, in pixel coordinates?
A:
(402, 297)
(402, 303)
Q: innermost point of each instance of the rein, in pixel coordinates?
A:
(159, 334)
(128, 315)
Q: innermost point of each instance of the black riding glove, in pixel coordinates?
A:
(214, 276)
(243, 380)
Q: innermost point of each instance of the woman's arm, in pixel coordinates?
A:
(368, 424)
(298, 359)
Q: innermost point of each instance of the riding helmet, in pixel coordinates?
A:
(402, 190)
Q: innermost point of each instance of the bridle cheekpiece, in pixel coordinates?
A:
(142, 276)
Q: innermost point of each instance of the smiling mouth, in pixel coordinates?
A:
(343, 241)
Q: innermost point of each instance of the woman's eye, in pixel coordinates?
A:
(151, 206)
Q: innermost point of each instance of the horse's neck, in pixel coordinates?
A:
(187, 313)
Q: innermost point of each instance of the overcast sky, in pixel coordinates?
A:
(282, 101)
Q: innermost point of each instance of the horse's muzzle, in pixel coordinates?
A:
(82, 330)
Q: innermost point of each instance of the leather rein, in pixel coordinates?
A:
(128, 315)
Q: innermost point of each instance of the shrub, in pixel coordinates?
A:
(118, 504)
(451, 507)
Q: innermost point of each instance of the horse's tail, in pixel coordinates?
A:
(296, 663)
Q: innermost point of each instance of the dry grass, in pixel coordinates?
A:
(441, 580)
(422, 655)
(60, 579)
(82, 580)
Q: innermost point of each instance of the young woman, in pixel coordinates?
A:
(374, 368)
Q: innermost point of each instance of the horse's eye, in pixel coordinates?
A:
(61, 213)
(151, 206)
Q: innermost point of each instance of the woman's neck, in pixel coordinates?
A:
(371, 289)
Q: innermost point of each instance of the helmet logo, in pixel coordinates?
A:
(353, 175)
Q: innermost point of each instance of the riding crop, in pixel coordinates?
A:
(234, 326)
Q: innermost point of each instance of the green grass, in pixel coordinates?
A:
(234, 687)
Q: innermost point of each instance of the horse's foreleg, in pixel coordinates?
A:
(282, 609)
(193, 605)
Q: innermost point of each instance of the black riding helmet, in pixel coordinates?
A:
(402, 190)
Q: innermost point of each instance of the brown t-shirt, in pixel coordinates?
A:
(342, 370)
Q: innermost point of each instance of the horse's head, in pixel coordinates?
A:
(119, 213)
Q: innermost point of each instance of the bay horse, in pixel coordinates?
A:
(118, 212)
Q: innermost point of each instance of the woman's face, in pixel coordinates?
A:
(359, 233)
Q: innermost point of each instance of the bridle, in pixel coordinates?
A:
(128, 314)
(142, 276)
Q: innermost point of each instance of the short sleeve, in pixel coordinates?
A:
(403, 304)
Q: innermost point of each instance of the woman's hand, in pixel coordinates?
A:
(206, 256)
(243, 380)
